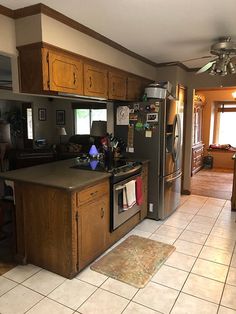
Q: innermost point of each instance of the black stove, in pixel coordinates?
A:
(119, 168)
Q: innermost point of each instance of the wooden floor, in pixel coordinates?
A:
(213, 183)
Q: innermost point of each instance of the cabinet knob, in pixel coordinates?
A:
(90, 82)
(102, 212)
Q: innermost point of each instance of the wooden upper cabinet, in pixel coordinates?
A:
(65, 73)
(117, 86)
(134, 88)
(45, 69)
(95, 81)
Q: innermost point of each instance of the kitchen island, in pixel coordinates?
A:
(63, 216)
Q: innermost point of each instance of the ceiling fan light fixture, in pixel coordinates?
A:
(224, 70)
(231, 68)
(212, 70)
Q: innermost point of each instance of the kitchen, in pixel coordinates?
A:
(174, 72)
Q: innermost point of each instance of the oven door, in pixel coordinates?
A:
(119, 215)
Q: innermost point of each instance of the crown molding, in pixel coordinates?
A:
(6, 11)
(44, 9)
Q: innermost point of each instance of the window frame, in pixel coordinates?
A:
(90, 106)
(218, 109)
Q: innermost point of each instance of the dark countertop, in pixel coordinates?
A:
(56, 174)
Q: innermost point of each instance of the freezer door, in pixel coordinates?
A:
(173, 144)
(170, 198)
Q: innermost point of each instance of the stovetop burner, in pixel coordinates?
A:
(117, 167)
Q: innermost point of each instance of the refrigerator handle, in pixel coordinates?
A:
(176, 177)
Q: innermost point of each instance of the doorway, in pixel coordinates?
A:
(211, 108)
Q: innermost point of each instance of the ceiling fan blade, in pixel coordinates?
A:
(206, 67)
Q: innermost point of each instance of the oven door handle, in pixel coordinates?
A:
(120, 187)
(139, 167)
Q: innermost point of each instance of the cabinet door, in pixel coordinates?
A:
(93, 229)
(64, 73)
(117, 86)
(134, 88)
(95, 81)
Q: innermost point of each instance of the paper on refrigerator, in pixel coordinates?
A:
(122, 115)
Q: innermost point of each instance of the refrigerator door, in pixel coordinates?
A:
(170, 194)
(173, 145)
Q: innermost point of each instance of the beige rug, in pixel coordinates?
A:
(134, 261)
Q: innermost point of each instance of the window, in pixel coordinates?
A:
(29, 119)
(225, 127)
(85, 117)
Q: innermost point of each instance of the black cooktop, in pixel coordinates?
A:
(114, 166)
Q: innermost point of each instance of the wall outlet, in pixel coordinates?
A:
(150, 207)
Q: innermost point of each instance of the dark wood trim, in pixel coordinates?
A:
(5, 87)
(85, 59)
(41, 8)
(185, 192)
(27, 11)
(44, 9)
(174, 63)
(6, 11)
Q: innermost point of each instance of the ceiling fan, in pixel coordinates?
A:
(222, 64)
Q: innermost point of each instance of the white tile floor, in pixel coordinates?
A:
(199, 277)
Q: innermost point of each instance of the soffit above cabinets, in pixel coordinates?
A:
(161, 31)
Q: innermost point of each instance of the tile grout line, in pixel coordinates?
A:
(223, 290)
(130, 300)
(196, 257)
(181, 290)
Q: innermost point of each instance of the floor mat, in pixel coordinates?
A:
(134, 261)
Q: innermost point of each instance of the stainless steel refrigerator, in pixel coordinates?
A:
(157, 136)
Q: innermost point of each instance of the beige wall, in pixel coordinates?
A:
(29, 30)
(7, 35)
(63, 36)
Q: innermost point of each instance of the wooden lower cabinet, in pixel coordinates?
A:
(93, 222)
(197, 158)
(64, 231)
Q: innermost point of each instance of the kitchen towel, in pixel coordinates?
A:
(130, 194)
(139, 192)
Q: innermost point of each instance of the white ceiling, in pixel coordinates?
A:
(159, 30)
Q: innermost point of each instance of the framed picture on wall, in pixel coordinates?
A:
(42, 114)
(60, 117)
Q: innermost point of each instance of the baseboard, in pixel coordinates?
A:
(185, 192)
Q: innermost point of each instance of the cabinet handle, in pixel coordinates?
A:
(74, 77)
(113, 87)
(102, 212)
(93, 193)
(90, 82)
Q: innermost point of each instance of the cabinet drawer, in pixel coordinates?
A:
(198, 151)
(91, 193)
